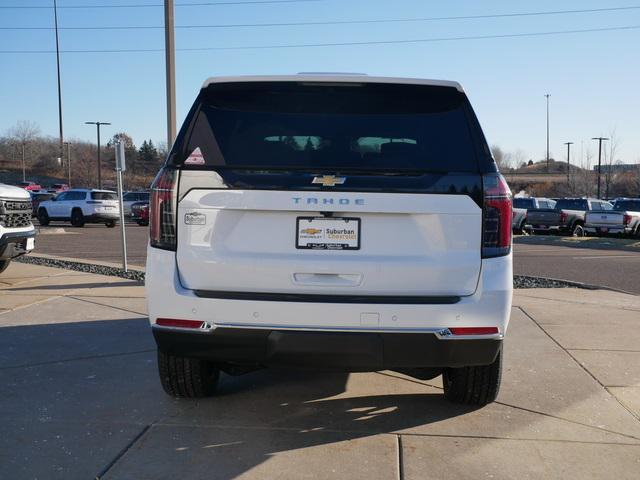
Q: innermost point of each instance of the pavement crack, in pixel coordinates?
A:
(631, 412)
(74, 297)
(122, 452)
(525, 409)
(629, 309)
(75, 359)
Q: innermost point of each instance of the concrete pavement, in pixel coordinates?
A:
(81, 399)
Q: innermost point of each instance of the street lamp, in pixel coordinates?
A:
(600, 140)
(547, 96)
(97, 124)
(568, 144)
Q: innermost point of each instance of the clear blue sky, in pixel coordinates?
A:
(592, 77)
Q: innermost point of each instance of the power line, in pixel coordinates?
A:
(154, 5)
(340, 44)
(342, 22)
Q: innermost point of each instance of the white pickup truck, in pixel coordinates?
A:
(17, 232)
(623, 219)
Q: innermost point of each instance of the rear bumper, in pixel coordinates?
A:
(14, 244)
(351, 351)
(613, 229)
(389, 334)
(101, 217)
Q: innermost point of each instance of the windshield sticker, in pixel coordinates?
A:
(195, 158)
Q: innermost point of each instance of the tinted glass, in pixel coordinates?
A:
(523, 203)
(338, 127)
(631, 205)
(103, 196)
(76, 196)
(572, 204)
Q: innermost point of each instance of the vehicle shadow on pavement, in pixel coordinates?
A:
(77, 395)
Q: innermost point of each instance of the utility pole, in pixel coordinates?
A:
(68, 144)
(24, 172)
(97, 124)
(600, 140)
(547, 96)
(568, 144)
(170, 56)
(55, 18)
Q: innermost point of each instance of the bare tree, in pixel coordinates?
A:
(502, 158)
(22, 134)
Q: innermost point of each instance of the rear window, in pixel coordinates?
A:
(103, 196)
(572, 204)
(341, 127)
(523, 203)
(631, 205)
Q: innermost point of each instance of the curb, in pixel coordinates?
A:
(132, 274)
(138, 274)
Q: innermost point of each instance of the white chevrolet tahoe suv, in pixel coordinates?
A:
(17, 233)
(337, 222)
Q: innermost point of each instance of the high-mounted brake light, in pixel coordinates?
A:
(163, 204)
(496, 216)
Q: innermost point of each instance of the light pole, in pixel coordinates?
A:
(55, 17)
(68, 144)
(600, 139)
(24, 172)
(170, 58)
(568, 144)
(97, 124)
(547, 96)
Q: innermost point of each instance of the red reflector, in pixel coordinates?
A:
(172, 322)
(474, 330)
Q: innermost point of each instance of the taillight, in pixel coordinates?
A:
(564, 216)
(162, 231)
(626, 219)
(497, 214)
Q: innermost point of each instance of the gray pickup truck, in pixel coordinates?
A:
(623, 219)
(521, 205)
(568, 216)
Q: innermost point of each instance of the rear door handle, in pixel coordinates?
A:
(328, 279)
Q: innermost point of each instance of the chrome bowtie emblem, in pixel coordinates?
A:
(329, 180)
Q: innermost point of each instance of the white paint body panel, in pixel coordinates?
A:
(411, 244)
(489, 305)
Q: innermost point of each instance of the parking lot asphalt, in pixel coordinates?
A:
(81, 399)
(607, 262)
(602, 262)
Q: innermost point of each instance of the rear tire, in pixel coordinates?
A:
(4, 264)
(143, 223)
(184, 377)
(577, 230)
(43, 217)
(473, 385)
(110, 223)
(77, 218)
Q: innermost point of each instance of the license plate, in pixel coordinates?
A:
(325, 233)
(603, 230)
(31, 243)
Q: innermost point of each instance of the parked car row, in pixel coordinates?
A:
(576, 216)
(80, 206)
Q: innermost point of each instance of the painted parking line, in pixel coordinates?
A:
(596, 257)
